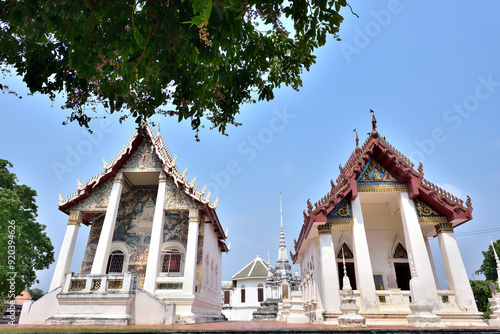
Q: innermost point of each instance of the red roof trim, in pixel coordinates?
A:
(401, 167)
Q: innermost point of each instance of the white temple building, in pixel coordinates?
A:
(154, 250)
(381, 212)
(242, 296)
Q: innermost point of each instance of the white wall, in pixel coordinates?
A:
(211, 272)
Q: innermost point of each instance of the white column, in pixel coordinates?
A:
(416, 247)
(433, 266)
(108, 227)
(154, 255)
(67, 249)
(456, 275)
(329, 273)
(362, 263)
(191, 250)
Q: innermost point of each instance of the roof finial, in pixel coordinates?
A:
(357, 138)
(374, 125)
(61, 200)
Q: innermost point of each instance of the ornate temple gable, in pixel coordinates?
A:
(97, 200)
(396, 165)
(427, 215)
(176, 199)
(145, 151)
(377, 178)
(144, 159)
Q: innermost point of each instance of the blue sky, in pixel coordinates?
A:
(430, 71)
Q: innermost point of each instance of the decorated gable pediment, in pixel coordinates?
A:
(427, 215)
(377, 178)
(341, 214)
(176, 198)
(97, 201)
(144, 159)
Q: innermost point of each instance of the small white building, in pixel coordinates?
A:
(242, 296)
(155, 239)
(380, 213)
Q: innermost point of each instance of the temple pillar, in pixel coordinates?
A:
(416, 247)
(191, 252)
(108, 227)
(362, 262)
(154, 255)
(67, 249)
(454, 269)
(329, 274)
(433, 266)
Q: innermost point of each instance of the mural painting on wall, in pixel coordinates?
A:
(133, 227)
(88, 257)
(176, 226)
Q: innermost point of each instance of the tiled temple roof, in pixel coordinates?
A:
(345, 185)
(169, 167)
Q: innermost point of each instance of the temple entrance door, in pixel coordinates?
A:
(403, 275)
(349, 266)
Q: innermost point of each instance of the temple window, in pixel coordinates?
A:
(119, 255)
(115, 262)
(172, 259)
(243, 294)
(227, 298)
(260, 293)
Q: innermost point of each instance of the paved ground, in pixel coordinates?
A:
(223, 326)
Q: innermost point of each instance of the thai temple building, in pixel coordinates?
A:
(154, 253)
(242, 296)
(378, 216)
(256, 290)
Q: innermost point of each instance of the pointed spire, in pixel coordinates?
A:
(281, 212)
(346, 282)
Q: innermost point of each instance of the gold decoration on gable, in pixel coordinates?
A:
(347, 252)
(377, 171)
(427, 215)
(400, 252)
(381, 187)
(343, 215)
(385, 182)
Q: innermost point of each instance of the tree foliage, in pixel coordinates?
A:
(193, 59)
(36, 293)
(24, 245)
(489, 266)
(481, 295)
